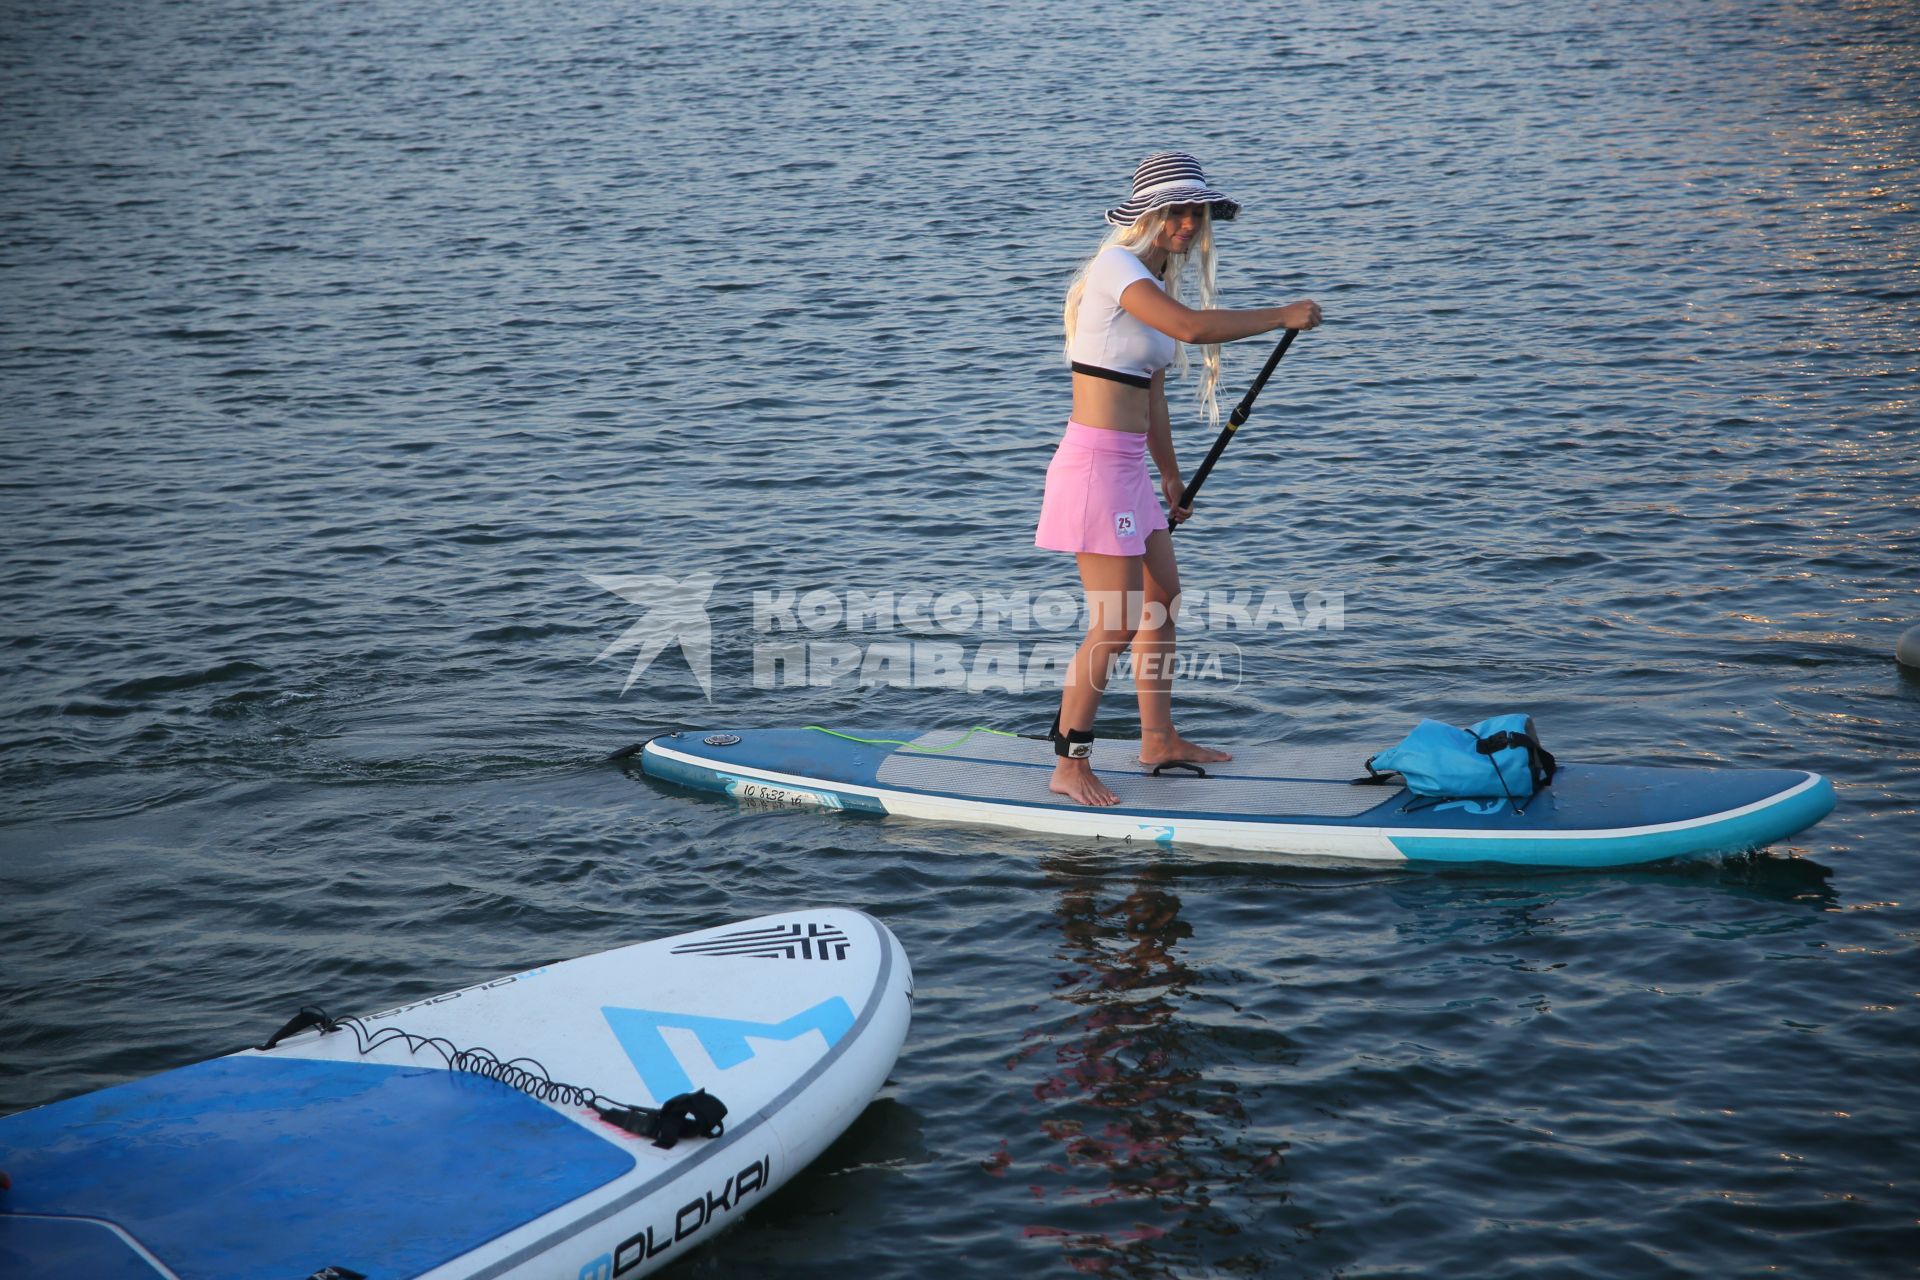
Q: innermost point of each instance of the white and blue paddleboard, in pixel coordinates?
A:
(1284, 800)
(313, 1159)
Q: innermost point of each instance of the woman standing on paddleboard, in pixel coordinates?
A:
(1124, 319)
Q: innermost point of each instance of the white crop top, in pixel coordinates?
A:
(1107, 340)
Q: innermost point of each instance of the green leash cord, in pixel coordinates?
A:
(895, 742)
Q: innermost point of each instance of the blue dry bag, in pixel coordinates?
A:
(1499, 758)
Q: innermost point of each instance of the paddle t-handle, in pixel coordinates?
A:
(1235, 420)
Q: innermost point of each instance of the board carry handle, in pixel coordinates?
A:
(1235, 420)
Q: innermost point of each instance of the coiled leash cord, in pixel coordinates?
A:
(687, 1115)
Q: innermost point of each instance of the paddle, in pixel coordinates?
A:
(1241, 412)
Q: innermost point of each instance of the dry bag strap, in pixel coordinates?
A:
(1375, 778)
(1539, 760)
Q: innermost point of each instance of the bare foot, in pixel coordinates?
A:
(1074, 779)
(1165, 748)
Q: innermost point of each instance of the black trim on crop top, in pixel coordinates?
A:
(1095, 371)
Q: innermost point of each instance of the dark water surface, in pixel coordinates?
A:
(341, 342)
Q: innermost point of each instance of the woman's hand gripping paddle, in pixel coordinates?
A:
(1241, 412)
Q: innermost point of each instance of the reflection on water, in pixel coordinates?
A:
(1181, 1084)
(1770, 876)
(1155, 1159)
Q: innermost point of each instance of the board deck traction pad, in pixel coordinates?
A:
(328, 1161)
(1278, 799)
(1255, 783)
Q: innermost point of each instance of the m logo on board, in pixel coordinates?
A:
(724, 1039)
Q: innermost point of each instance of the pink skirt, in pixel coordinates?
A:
(1099, 496)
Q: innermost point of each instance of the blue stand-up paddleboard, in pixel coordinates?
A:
(316, 1158)
(1281, 800)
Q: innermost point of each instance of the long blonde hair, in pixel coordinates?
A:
(1137, 237)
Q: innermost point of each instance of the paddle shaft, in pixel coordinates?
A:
(1241, 412)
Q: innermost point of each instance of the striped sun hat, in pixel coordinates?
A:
(1170, 177)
